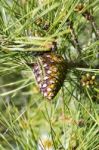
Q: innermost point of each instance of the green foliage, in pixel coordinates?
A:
(27, 120)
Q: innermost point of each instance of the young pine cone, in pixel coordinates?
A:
(50, 71)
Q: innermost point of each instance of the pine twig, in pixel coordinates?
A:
(74, 39)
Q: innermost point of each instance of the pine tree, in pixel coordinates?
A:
(49, 74)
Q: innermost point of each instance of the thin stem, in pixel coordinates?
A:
(95, 29)
(75, 40)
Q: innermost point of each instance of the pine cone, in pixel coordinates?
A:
(50, 71)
